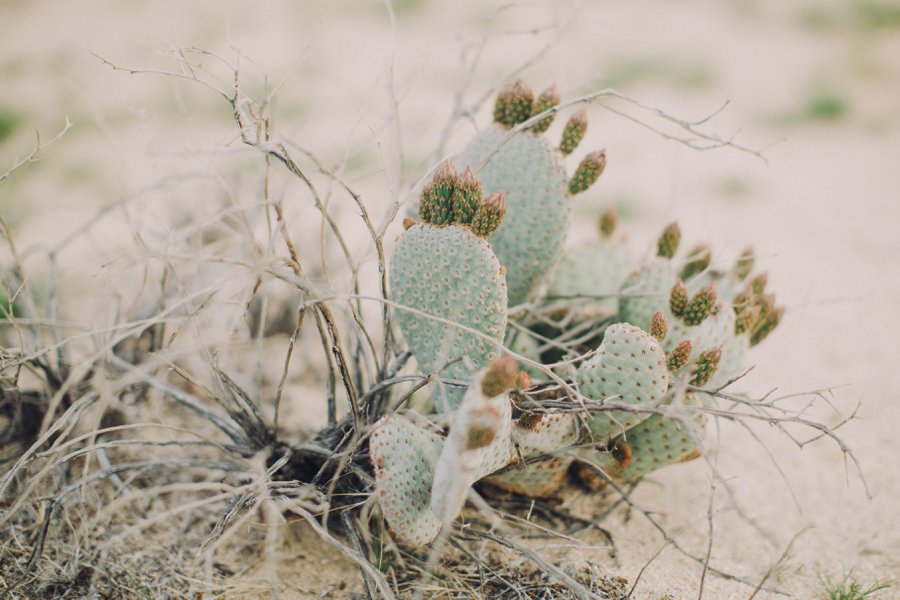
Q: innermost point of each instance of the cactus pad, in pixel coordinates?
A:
(449, 273)
(629, 364)
(404, 456)
(532, 178)
(533, 436)
(661, 441)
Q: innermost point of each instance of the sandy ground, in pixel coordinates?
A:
(820, 80)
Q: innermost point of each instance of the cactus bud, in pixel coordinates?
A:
(573, 132)
(436, 204)
(701, 305)
(707, 363)
(744, 264)
(500, 377)
(769, 319)
(757, 285)
(697, 261)
(668, 242)
(523, 380)
(466, 197)
(548, 99)
(489, 215)
(746, 320)
(678, 299)
(609, 220)
(740, 302)
(679, 356)
(659, 326)
(407, 223)
(514, 104)
(588, 171)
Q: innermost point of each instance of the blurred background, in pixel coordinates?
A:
(810, 88)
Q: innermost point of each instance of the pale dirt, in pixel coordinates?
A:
(824, 213)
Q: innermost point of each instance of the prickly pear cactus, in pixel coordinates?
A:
(629, 367)
(532, 176)
(448, 282)
(679, 325)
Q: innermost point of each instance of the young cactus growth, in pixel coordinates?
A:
(698, 260)
(707, 363)
(589, 170)
(573, 133)
(514, 104)
(547, 100)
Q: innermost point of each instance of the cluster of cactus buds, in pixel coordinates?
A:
(755, 311)
(454, 199)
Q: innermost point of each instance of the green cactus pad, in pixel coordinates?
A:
(647, 291)
(661, 441)
(404, 457)
(532, 177)
(629, 364)
(450, 273)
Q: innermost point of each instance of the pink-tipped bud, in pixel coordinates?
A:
(698, 259)
(659, 326)
(678, 299)
(744, 264)
(679, 356)
(547, 100)
(466, 197)
(436, 203)
(667, 245)
(746, 320)
(701, 305)
(769, 318)
(706, 366)
(573, 132)
(489, 215)
(514, 104)
(757, 285)
(589, 170)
